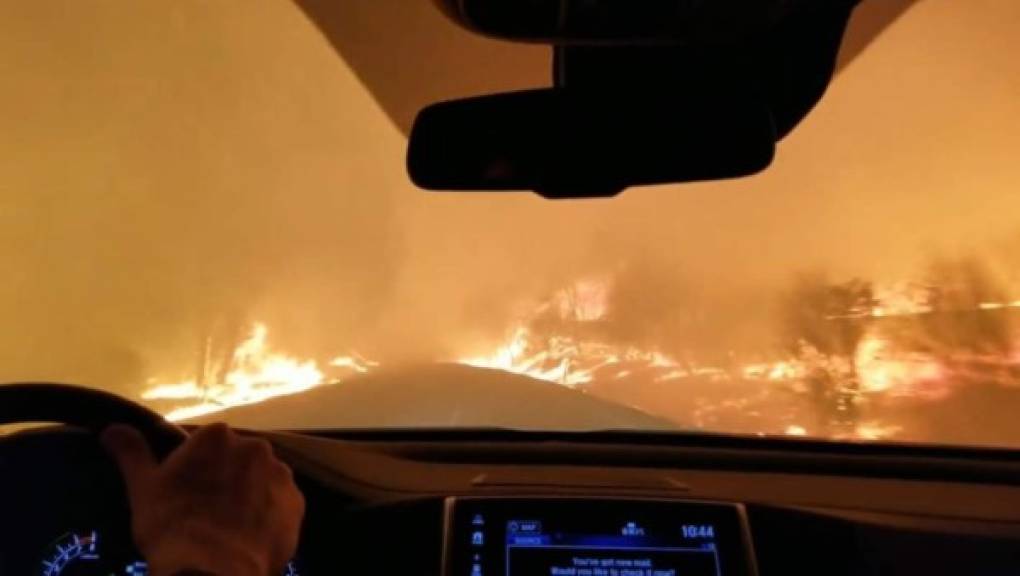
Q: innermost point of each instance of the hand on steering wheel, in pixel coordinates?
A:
(220, 504)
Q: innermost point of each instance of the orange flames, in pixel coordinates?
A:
(563, 352)
(877, 368)
(256, 374)
(568, 360)
(518, 355)
(882, 368)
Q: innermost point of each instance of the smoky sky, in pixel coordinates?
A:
(166, 167)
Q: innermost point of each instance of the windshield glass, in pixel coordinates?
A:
(204, 205)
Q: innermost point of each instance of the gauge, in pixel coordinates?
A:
(141, 569)
(73, 554)
(82, 554)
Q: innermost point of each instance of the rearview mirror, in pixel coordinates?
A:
(564, 144)
(624, 21)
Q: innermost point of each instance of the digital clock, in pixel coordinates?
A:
(698, 531)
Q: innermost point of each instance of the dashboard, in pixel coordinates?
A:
(506, 504)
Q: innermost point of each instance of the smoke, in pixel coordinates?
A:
(172, 170)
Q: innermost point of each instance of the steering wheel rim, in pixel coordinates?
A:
(87, 408)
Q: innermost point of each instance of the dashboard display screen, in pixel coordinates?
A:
(581, 537)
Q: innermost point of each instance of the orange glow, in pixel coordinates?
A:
(257, 373)
(552, 362)
(794, 430)
(881, 368)
(562, 341)
(874, 431)
(878, 367)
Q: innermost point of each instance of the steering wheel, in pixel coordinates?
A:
(87, 408)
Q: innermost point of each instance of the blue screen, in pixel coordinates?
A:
(593, 538)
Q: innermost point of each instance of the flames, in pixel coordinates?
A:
(565, 360)
(879, 369)
(559, 341)
(551, 363)
(256, 373)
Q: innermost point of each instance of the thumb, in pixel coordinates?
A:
(132, 454)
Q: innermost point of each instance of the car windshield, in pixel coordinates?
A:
(204, 208)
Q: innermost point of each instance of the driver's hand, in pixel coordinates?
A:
(220, 504)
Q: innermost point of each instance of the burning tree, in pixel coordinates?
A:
(822, 314)
(823, 325)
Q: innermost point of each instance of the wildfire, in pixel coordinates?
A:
(567, 359)
(878, 367)
(776, 371)
(553, 362)
(256, 373)
(565, 340)
(882, 368)
(356, 362)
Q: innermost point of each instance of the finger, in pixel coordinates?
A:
(132, 454)
(210, 449)
(213, 437)
(281, 472)
(256, 448)
(255, 459)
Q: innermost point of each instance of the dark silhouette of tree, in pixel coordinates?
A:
(823, 324)
(830, 317)
(961, 321)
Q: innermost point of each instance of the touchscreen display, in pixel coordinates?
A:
(495, 537)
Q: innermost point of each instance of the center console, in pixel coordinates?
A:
(587, 537)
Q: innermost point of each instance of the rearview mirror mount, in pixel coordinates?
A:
(616, 21)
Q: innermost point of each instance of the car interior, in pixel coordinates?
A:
(696, 91)
(506, 502)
